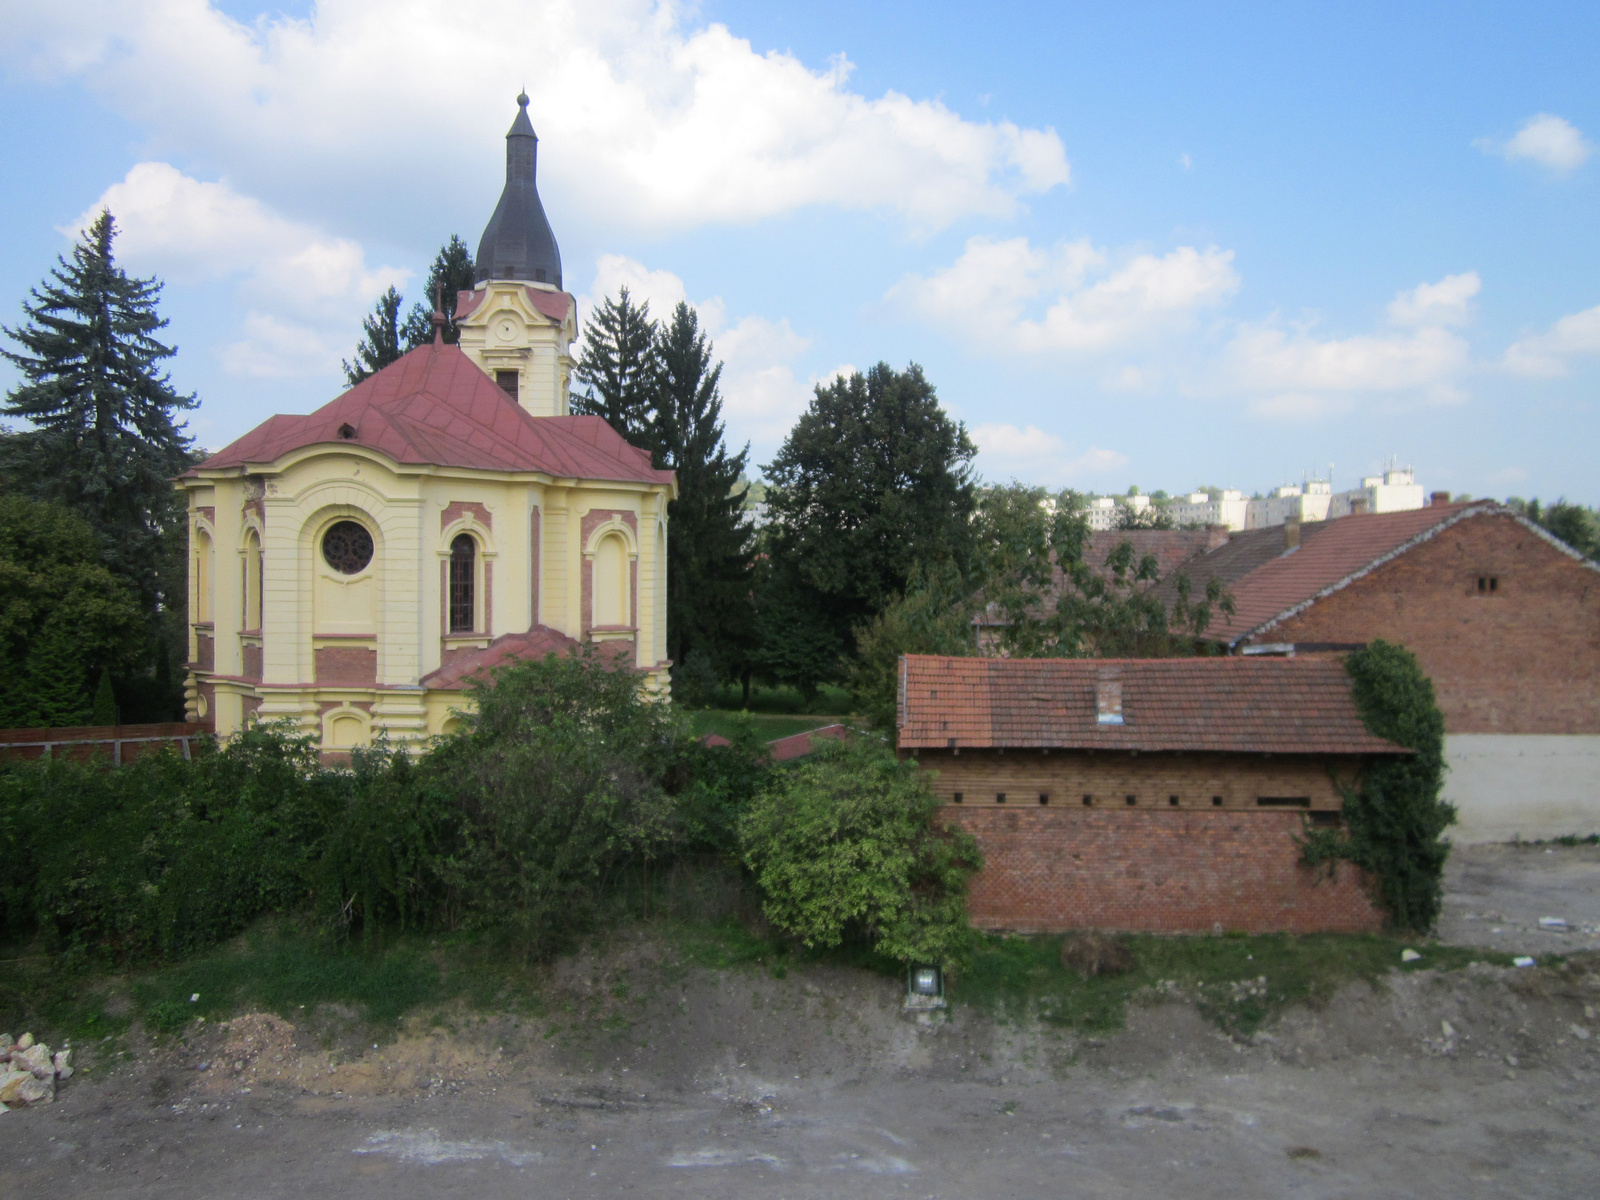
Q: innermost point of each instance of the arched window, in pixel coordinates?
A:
(463, 583)
(202, 578)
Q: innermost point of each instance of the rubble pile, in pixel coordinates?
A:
(30, 1071)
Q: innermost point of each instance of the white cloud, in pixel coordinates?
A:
(645, 118)
(1448, 302)
(1300, 406)
(1545, 355)
(1269, 359)
(1546, 139)
(1034, 456)
(189, 231)
(988, 293)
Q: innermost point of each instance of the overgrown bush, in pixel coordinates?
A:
(1394, 818)
(843, 843)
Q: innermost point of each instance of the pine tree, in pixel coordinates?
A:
(451, 274)
(105, 440)
(57, 682)
(380, 343)
(105, 701)
(709, 538)
(619, 363)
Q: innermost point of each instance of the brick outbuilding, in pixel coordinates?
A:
(1503, 617)
(1144, 794)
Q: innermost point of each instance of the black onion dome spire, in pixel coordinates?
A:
(517, 242)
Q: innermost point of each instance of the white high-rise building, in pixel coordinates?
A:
(1393, 491)
(1303, 502)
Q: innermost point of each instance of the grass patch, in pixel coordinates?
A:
(766, 726)
(783, 700)
(1239, 983)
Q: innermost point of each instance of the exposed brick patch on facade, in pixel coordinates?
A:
(597, 517)
(351, 665)
(205, 651)
(457, 509)
(208, 512)
(1051, 869)
(252, 661)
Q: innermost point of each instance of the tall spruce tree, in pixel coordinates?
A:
(105, 437)
(380, 339)
(619, 366)
(710, 548)
(450, 275)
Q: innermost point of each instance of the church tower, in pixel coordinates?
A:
(517, 323)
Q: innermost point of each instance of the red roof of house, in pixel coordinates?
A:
(1338, 551)
(1236, 705)
(436, 407)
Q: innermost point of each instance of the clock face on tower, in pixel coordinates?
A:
(506, 328)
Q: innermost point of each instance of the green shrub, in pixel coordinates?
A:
(557, 777)
(843, 843)
(1394, 818)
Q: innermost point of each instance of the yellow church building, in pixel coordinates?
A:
(354, 569)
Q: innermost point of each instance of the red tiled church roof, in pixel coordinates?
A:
(1238, 705)
(1336, 552)
(436, 407)
(537, 643)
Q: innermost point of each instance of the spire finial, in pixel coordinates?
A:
(438, 313)
(522, 98)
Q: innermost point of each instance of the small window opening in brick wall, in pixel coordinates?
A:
(1133, 799)
(959, 797)
(1325, 819)
(1216, 802)
(1488, 584)
(1044, 797)
(1172, 800)
(1283, 801)
(1088, 801)
(999, 797)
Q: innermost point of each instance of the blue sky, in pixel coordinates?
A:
(1155, 244)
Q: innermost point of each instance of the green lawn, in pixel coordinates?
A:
(767, 726)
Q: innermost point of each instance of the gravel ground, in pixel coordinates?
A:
(1476, 1083)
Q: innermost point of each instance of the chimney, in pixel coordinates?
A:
(1439, 498)
(1108, 696)
(1291, 533)
(1358, 506)
(1216, 535)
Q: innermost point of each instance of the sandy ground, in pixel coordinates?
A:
(734, 1084)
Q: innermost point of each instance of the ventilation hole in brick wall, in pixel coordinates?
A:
(959, 797)
(1088, 801)
(1172, 800)
(1283, 801)
(999, 797)
(1327, 819)
(1216, 802)
(1488, 583)
(1044, 797)
(1133, 799)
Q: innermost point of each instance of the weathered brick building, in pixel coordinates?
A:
(1143, 794)
(1503, 617)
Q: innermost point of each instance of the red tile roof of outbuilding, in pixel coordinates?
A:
(436, 407)
(1236, 705)
(537, 643)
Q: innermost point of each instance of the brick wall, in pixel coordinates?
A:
(1155, 871)
(1152, 866)
(1524, 658)
(348, 665)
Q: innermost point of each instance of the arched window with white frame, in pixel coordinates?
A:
(463, 584)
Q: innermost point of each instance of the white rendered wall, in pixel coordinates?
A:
(1527, 786)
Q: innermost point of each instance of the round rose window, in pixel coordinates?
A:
(347, 547)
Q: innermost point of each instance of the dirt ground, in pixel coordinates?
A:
(720, 1084)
